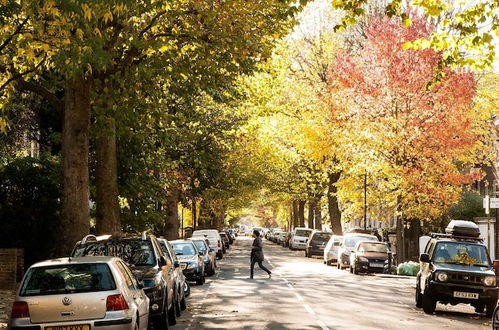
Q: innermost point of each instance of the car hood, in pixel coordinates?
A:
(378, 255)
(464, 268)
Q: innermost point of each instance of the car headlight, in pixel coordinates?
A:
(363, 259)
(441, 277)
(490, 281)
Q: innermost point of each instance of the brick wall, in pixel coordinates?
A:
(11, 268)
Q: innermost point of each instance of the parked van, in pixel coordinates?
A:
(299, 238)
(214, 237)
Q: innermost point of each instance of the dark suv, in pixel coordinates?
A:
(316, 243)
(148, 263)
(455, 268)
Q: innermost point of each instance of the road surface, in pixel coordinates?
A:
(304, 293)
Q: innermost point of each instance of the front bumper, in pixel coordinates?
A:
(444, 292)
(299, 245)
(193, 274)
(366, 268)
(156, 299)
(316, 251)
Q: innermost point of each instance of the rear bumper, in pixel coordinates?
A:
(299, 245)
(107, 323)
(316, 251)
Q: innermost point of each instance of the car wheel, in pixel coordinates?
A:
(160, 322)
(309, 255)
(338, 264)
(172, 320)
(183, 304)
(354, 269)
(419, 296)
(136, 325)
(428, 303)
(328, 263)
(177, 305)
(200, 281)
(187, 289)
(495, 319)
(489, 308)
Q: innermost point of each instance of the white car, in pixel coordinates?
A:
(331, 249)
(299, 238)
(80, 293)
(214, 237)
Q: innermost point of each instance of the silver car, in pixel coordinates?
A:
(331, 249)
(80, 293)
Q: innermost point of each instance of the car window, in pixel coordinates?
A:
(61, 279)
(321, 237)
(201, 245)
(184, 249)
(461, 253)
(135, 252)
(373, 247)
(352, 240)
(128, 280)
(302, 232)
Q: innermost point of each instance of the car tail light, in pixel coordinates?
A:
(20, 309)
(116, 302)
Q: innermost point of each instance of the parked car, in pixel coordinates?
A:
(80, 293)
(456, 268)
(299, 238)
(209, 257)
(215, 240)
(281, 238)
(347, 246)
(331, 249)
(225, 239)
(275, 234)
(286, 239)
(229, 236)
(317, 243)
(180, 281)
(369, 257)
(191, 260)
(148, 263)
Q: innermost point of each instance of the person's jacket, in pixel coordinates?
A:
(257, 250)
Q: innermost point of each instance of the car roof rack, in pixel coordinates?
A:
(461, 238)
(88, 238)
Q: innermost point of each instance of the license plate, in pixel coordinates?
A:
(468, 295)
(70, 327)
(377, 265)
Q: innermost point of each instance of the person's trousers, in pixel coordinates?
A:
(253, 262)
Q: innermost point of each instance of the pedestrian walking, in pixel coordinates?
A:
(257, 254)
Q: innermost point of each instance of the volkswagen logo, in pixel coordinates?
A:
(466, 278)
(66, 301)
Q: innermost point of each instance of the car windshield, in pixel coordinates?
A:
(184, 249)
(373, 247)
(65, 279)
(201, 245)
(134, 252)
(302, 232)
(461, 253)
(321, 237)
(352, 240)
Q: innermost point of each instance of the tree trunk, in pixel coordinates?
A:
(75, 211)
(311, 208)
(108, 209)
(400, 232)
(332, 203)
(295, 213)
(301, 213)
(317, 214)
(171, 221)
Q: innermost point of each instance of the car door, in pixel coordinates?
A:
(425, 266)
(138, 295)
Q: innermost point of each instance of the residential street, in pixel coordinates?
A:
(306, 294)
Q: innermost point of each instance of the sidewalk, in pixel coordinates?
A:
(6, 300)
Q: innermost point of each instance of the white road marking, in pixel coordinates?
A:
(300, 298)
(322, 325)
(309, 309)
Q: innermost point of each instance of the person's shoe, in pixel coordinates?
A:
(270, 275)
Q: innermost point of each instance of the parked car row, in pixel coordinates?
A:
(124, 281)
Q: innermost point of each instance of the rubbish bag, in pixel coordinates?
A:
(410, 268)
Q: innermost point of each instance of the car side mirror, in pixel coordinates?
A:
(140, 285)
(212, 250)
(162, 261)
(176, 264)
(495, 264)
(201, 253)
(424, 257)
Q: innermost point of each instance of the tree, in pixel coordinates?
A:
(402, 135)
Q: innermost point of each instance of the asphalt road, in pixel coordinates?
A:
(304, 293)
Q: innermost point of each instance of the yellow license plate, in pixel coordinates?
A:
(70, 327)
